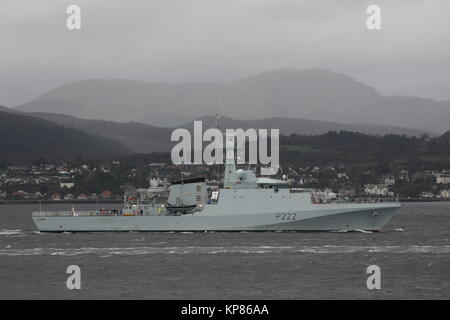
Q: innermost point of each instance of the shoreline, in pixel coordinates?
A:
(100, 201)
(423, 200)
(119, 201)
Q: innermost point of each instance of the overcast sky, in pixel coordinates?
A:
(221, 41)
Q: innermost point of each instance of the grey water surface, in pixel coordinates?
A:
(413, 253)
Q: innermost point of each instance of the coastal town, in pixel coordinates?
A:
(107, 181)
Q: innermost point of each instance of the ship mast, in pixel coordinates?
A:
(217, 118)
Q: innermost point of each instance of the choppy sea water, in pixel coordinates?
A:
(413, 253)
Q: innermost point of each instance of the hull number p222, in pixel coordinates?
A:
(286, 216)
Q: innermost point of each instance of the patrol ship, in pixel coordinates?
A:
(245, 203)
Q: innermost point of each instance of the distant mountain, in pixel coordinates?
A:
(310, 94)
(143, 138)
(24, 138)
(128, 100)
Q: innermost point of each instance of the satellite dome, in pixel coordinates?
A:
(240, 173)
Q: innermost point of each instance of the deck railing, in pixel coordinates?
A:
(96, 213)
(65, 213)
(357, 200)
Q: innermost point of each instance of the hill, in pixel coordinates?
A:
(138, 137)
(290, 126)
(24, 138)
(144, 138)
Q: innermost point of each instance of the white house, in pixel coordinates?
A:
(442, 178)
(67, 185)
(389, 180)
(343, 176)
(154, 182)
(377, 190)
(426, 195)
(444, 194)
(326, 194)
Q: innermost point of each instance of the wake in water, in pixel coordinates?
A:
(18, 232)
(5, 232)
(367, 231)
(352, 230)
(326, 249)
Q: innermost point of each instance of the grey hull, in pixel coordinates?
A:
(321, 218)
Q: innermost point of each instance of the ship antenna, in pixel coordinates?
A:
(217, 111)
(217, 118)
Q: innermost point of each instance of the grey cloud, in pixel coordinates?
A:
(220, 41)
